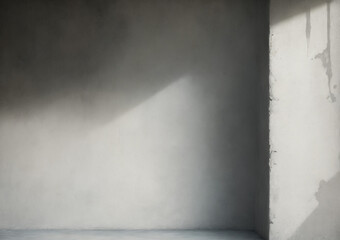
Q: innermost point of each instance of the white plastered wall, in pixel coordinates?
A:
(304, 120)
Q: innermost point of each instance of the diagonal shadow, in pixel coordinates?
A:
(323, 223)
(99, 59)
(117, 53)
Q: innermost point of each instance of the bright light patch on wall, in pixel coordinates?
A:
(141, 154)
(147, 168)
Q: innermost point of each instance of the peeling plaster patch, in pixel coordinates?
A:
(325, 56)
(308, 27)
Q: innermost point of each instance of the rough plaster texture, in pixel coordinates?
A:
(129, 114)
(304, 120)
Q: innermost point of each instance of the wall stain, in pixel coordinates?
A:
(325, 56)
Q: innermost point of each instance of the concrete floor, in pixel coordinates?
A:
(125, 235)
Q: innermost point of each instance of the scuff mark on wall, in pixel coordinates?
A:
(325, 56)
(271, 159)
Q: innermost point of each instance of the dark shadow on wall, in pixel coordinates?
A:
(262, 200)
(119, 53)
(85, 49)
(105, 57)
(323, 223)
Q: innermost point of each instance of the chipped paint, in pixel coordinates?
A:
(325, 56)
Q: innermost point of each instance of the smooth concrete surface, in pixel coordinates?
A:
(126, 235)
(262, 192)
(130, 114)
(305, 120)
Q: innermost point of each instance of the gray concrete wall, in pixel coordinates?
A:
(128, 114)
(305, 120)
(262, 197)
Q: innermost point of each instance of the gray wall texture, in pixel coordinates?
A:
(262, 63)
(130, 114)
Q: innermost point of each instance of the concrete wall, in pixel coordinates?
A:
(304, 120)
(262, 198)
(128, 114)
